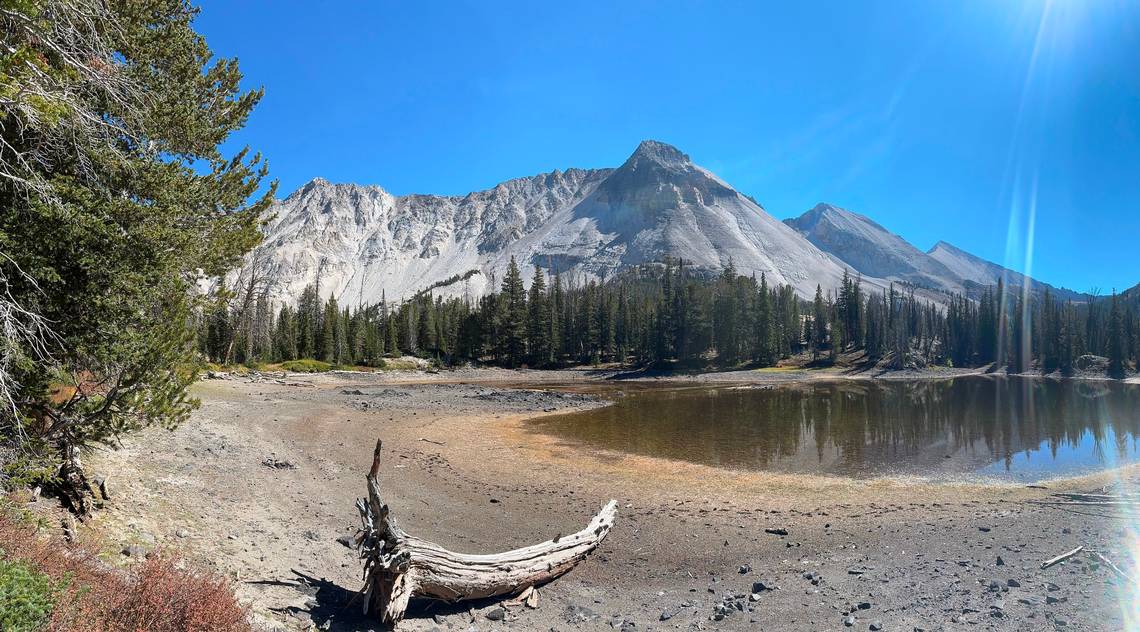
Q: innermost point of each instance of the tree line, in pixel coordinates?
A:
(670, 315)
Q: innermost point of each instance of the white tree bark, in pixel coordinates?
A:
(399, 566)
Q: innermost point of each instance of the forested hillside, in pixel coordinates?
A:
(668, 315)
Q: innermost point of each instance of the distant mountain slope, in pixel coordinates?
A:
(868, 248)
(871, 249)
(975, 270)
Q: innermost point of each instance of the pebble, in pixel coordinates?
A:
(496, 614)
(133, 550)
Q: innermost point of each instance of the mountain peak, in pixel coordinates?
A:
(660, 153)
(947, 246)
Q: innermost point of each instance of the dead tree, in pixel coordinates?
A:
(399, 566)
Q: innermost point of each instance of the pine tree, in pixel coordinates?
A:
(328, 331)
(514, 316)
(819, 323)
(1115, 338)
(538, 321)
(392, 333)
(116, 197)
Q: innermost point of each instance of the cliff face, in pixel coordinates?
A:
(364, 243)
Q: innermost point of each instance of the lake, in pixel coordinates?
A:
(978, 427)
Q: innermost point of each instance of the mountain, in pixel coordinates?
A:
(361, 243)
(868, 248)
(364, 243)
(974, 270)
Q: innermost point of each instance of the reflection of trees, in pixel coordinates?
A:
(848, 426)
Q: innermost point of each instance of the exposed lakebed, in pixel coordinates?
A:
(976, 427)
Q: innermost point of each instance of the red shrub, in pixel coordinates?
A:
(160, 595)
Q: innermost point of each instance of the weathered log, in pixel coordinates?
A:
(399, 566)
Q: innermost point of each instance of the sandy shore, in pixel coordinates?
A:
(463, 468)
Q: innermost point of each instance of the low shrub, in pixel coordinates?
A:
(60, 587)
(27, 596)
(306, 366)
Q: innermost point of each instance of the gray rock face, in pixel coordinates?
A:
(361, 243)
(364, 243)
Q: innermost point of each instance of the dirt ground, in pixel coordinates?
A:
(689, 551)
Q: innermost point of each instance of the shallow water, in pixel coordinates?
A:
(964, 428)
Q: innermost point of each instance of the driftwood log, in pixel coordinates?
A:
(399, 566)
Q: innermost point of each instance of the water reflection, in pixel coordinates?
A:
(1016, 428)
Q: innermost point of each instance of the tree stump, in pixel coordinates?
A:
(399, 566)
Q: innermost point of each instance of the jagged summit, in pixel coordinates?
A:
(660, 153)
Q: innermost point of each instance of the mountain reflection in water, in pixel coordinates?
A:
(991, 427)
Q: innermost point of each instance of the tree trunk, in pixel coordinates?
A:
(399, 566)
(74, 488)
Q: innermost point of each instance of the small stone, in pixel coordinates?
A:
(496, 614)
(1000, 562)
(665, 615)
(875, 626)
(1013, 583)
(776, 531)
(1050, 599)
(754, 597)
(744, 569)
(182, 533)
(849, 621)
(133, 550)
(864, 605)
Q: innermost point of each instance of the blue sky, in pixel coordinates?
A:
(1009, 128)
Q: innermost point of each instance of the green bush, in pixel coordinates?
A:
(26, 597)
(306, 366)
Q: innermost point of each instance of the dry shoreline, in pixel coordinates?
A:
(684, 531)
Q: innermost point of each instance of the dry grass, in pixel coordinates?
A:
(162, 594)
